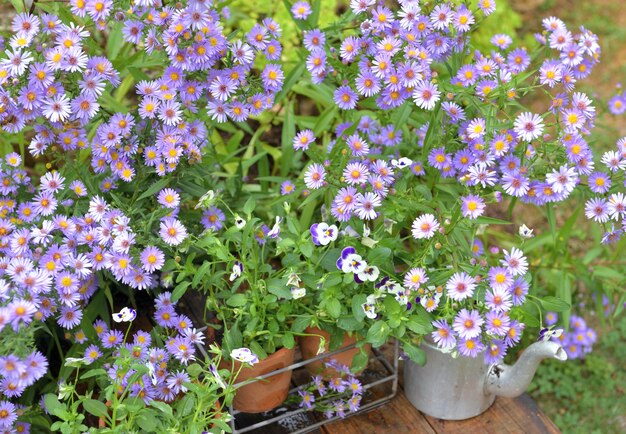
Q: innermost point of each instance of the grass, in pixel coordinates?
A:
(587, 396)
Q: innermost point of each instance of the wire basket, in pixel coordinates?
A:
(379, 381)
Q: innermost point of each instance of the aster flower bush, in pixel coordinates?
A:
(151, 380)
(430, 132)
(140, 154)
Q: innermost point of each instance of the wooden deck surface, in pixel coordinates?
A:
(507, 416)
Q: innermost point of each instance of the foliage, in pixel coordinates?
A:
(586, 396)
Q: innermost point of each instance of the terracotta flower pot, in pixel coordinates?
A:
(310, 344)
(264, 395)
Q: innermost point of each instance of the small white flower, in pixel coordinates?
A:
(206, 200)
(237, 270)
(293, 279)
(125, 315)
(217, 376)
(151, 373)
(402, 163)
(525, 232)
(369, 309)
(244, 355)
(297, 293)
(239, 222)
(273, 233)
(75, 361)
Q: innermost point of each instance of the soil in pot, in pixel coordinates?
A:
(263, 395)
(309, 346)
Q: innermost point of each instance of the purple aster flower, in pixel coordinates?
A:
(443, 335)
(470, 347)
(467, 324)
(301, 10)
(165, 316)
(8, 414)
(152, 259)
(213, 218)
(499, 299)
(307, 399)
(495, 352)
(460, 286)
(287, 187)
(424, 226)
(599, 182)
(345, 98)
(314, 176)
(303, 140)
(69, 317)
(168, 198)
(426, 95)
(314, 39)
(472, 206)
(501, 41)
(355, 173)
(519, 290)
(497, 323)
(111, 338)
(172, 231)
(514, 334)
(92, 353)
(272, 77)
(518, 60)
(177, 381)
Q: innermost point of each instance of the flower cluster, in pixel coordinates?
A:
(335, 396)
(60, 84)
(580, 338)
(608, 206)
(164, 379)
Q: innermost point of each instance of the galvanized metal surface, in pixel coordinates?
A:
(461, 388)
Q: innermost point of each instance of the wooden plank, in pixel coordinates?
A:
(396, 417)
(506, 416)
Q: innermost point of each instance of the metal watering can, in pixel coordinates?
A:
(460, 388)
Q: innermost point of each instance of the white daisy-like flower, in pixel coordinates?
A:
(528, 126)
(425, 226)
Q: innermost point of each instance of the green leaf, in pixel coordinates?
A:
(483, 220)
(154, 188)
(237, 300)
(420, 322)
(52, 403)
(325, 120)
(147, 422)
(180, 290)
(95, 407)
(554, 304)
(288, 340)
(415, 353)
(333, 307)
(92, 373)
(300, 323)
(378, 333)
(162, 406)
(607, 273)
(357, 306)
(359, 361)
(204, 268)
(379, 255)
(249, 206)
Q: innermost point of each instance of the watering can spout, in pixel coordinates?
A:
(512, 381)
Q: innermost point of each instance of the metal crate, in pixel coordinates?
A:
(381, 372)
